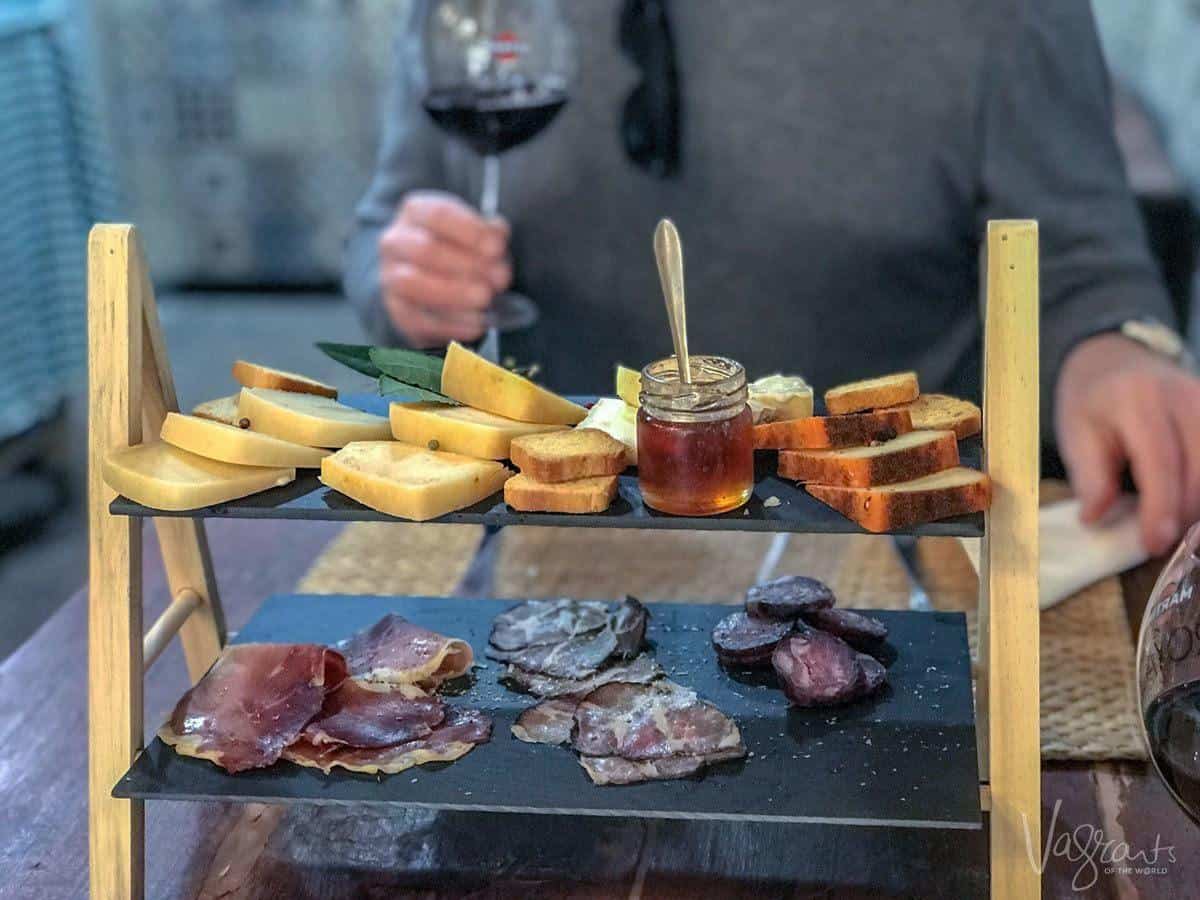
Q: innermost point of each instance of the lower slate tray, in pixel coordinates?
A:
(795, 511)
(905, 758)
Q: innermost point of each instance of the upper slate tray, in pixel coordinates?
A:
(905, 758)
(307, 499)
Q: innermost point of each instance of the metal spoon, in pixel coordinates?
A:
(669, 254)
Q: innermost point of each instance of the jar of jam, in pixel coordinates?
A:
(695, 441)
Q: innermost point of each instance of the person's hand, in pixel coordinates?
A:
(440, 264)
(1118, 403)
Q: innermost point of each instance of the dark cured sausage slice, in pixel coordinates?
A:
(857, 630)
(788, 597)
(743, 640)
(874, 674)
(254, 702)
(363, 715)
(819, 669)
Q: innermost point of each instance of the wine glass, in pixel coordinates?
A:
(1168, 674)
(494, 74)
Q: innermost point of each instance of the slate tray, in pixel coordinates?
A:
(906, 758)
(307, 499)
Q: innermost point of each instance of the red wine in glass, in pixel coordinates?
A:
(494, 120)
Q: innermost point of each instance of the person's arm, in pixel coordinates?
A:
(1048, 153)
(420, 265)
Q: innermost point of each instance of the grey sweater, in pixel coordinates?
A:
(840, 160)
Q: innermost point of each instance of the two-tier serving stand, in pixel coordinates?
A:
(130, 391)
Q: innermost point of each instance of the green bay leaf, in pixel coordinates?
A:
(409, 366)
(394, 389)
(355, 356)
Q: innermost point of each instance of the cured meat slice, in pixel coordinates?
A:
(818, 669)
(537, 622)
(576, 657)
(618, 770)
(857, 630)
(788, 597)
(397, 651)
(629, 625)
(651, 721)
(459, 732)
(549, 722)
(642, 669)
(874, 674)
(254, 702)
(363, 714)
(743, 640)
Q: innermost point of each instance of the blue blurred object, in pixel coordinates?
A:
(53, 185)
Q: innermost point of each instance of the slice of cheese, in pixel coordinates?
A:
(459, 429)
(309, 419)
(411, 482)
(471, 379)
(230, 444)
(164, 477)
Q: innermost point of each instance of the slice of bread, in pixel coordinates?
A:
(585, 495)
(831, 432)
(411, 482)
(938, 412)
(309, 419)
(909, 456)
(887, 390)
(223, 409)
(953, 492)
(567, 455)
(249, 374)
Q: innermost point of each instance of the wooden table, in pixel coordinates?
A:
(225, 851)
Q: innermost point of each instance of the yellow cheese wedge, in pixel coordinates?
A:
(230, 444)
(164, 477)
(459, 429)
(309, 419)
(411, 482)
(471, 379)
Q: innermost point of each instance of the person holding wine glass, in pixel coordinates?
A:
(830, 165)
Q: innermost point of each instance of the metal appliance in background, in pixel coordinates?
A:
(246, 131)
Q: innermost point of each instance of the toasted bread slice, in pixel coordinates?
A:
(249, 374)
(568, 455)
(411, 482)
(584, 495)
(223, 409)
(309, 419)
(939, 412)
(831, 432)
(874, 393)
(909, 456)
(953, 492)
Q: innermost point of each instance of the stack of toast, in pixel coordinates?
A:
(885, 456)
(565, 471)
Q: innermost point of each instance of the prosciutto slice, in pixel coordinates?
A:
(652, 721)
(457, 735)
(397, 651)
(253, 703)
(642, 669)
(549, 722)
(537, 622)
(362, 714)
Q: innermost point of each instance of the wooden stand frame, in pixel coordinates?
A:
(131, 390)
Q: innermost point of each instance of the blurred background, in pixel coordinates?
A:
(238, 134)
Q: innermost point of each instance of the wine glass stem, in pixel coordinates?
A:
(489, 202)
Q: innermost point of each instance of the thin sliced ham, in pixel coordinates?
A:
(364, 714)
(396, 651)
(253, 703)
(456, 736)
(619, 770)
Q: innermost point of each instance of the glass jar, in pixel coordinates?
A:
(695, 441)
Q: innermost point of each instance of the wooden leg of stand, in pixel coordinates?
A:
(1008, 674)
(183, 542)
(115, 827)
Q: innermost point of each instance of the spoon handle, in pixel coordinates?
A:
(669, 253)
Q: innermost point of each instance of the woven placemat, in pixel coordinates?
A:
(1087, 674)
